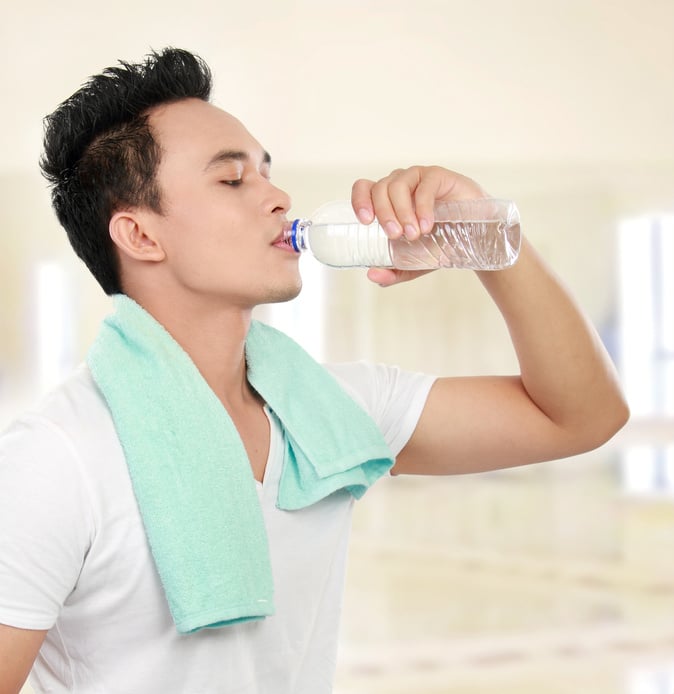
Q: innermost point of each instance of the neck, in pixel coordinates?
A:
(213, 336)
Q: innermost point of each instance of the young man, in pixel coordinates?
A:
(168, 201)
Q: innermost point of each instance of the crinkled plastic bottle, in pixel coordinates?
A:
(482, 234)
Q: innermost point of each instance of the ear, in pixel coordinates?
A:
(133, 237)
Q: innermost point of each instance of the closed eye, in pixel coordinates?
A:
(234, 183)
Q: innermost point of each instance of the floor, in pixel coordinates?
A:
(550, 580)
(479, 624)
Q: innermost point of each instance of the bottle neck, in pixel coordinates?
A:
(295, 234)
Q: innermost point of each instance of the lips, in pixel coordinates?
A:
(282, 240)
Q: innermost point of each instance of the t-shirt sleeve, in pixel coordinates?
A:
(393, 397)
(45, 524)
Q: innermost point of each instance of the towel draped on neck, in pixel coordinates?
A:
(189, 469)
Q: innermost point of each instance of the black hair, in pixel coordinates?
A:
(100, 153)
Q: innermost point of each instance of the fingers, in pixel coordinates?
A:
(404, 201)
(361, 200)
(390, 200)
(394, 202)
(384, 277)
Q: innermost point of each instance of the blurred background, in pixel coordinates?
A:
(555, 578)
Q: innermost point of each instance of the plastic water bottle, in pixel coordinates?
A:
(479, 234)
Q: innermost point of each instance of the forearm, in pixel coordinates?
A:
(564, 367)
(566, 399)
(18, 650)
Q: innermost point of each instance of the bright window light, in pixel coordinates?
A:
(304, 317)
(53, 324)
(647, 314)
(651, 681)
(646, 253)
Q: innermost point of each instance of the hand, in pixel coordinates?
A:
(403, 203)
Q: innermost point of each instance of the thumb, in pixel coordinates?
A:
(387, 277)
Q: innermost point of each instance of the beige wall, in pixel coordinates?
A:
(564, 106)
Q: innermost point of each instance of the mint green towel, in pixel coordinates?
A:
(190, 471)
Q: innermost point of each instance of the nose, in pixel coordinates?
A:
(278, 201)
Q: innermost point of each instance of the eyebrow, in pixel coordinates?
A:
(227, 155)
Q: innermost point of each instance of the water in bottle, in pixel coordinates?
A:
(479, 234)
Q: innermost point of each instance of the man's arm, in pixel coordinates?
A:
(18, 650)
(566, 399)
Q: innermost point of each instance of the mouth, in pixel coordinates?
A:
(282, 241)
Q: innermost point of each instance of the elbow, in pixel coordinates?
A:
(618, 414)
(622, 415)
(606, 423)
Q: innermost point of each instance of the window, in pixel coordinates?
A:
(647, 314)
(53, 324)
(304, 317)
(646, 358)
(651, 681)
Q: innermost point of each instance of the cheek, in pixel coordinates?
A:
(203, 254)
(194, 231)
(206, 240)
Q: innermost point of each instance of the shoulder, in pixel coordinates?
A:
(44, 452)
(64, 422)
(392, 396)
(61, 454)
(374, 384)
(47, 518)
(64, 454)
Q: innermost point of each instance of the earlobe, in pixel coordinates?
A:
(132, 238)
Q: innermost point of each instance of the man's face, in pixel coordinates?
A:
(222, 218)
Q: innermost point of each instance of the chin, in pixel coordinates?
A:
(282, 294)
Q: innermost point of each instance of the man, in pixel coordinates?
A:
(168, 201)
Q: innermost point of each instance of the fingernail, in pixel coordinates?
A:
(392, 229)
(425, 225)
(365, 215)
(410, 231)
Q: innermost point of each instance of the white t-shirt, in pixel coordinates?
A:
(74, 558)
